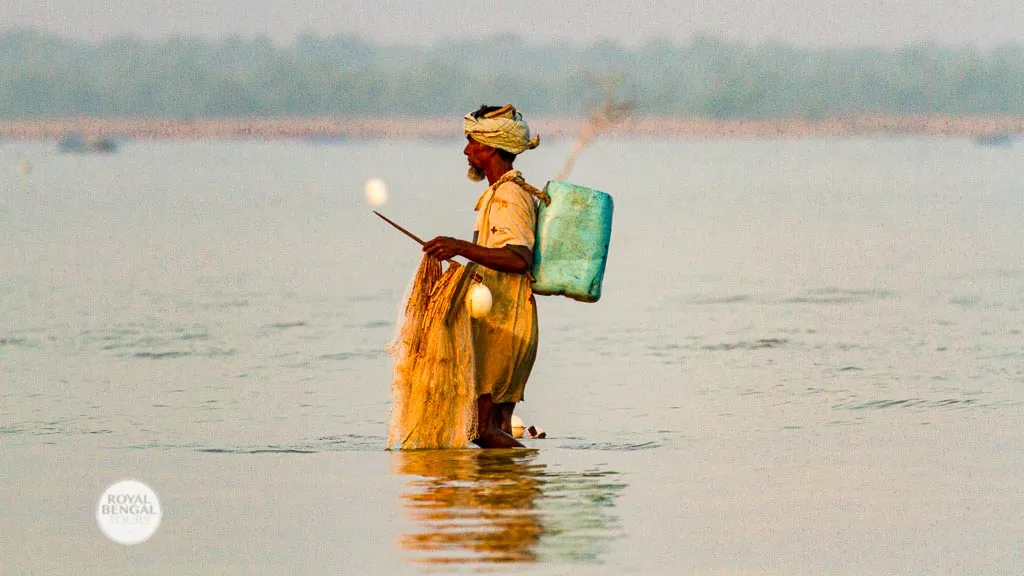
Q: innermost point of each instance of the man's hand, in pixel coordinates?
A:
(444, 247)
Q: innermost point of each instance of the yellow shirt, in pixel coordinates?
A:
(506, 214)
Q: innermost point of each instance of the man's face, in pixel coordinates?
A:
(477, 155)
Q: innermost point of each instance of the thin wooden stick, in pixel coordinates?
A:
(406, 232)
(400, 229)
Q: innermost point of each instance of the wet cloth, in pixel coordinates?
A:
(505, 340)
(503, 128)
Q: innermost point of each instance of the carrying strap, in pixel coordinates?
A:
(517, 177)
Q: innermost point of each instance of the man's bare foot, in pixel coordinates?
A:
(489, 425)
(496, 439)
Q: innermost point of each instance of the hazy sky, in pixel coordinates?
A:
(806, 22)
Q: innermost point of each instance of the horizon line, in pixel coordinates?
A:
(519, 40)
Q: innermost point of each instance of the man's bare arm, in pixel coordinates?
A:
(514, 259)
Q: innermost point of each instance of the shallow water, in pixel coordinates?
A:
(807, 355)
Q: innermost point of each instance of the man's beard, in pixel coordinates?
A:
(475, 174)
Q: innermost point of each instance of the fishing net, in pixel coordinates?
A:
(434, 390)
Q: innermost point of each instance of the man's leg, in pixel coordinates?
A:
(505, 409)
(489, 433)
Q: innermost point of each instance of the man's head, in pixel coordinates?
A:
(495, 132)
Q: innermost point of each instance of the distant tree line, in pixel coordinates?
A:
(43, 75)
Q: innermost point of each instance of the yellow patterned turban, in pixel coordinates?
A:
(503, 128)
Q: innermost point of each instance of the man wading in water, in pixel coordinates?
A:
(505, 340)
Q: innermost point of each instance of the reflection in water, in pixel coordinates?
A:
(488, 506)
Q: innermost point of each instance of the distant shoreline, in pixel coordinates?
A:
(435, 128)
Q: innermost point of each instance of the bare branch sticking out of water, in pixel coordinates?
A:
(608, 113)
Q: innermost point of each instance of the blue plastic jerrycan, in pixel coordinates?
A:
(571, 244)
